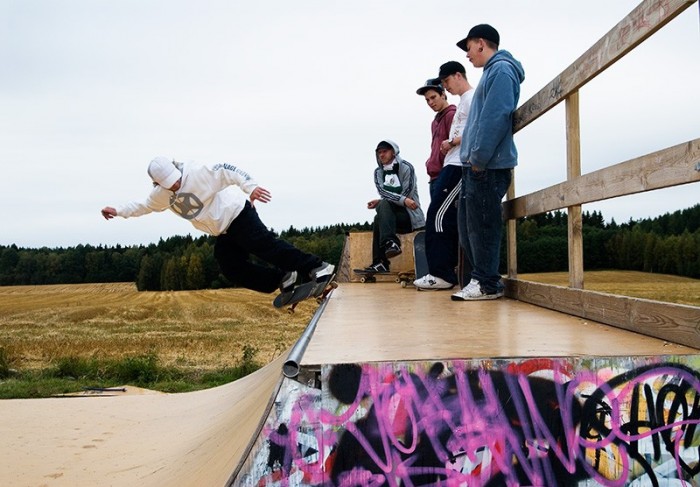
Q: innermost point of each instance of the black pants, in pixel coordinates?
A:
(441, 236)
(389, 220)
(248, 235)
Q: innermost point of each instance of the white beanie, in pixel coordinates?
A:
(163, 171)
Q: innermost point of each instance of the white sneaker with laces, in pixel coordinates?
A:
(473, 292)
(432, 283)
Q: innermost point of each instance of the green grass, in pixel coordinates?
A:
(74, 374)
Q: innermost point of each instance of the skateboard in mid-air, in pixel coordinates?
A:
(307, 290)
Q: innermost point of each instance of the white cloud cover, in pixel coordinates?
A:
(297, 94)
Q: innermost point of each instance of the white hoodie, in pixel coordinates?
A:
(210, 197)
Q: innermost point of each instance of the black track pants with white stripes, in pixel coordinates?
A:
(441, 235)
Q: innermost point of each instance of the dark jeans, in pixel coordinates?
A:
(483, 192)
(248, 235)
(389, 220)
(441, 235)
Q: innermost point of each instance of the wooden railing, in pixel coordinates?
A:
(672, 166)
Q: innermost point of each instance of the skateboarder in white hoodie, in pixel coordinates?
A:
(215, 199)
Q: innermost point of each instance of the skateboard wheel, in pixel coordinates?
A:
(403, 283)
(363, 280)
(290, 311)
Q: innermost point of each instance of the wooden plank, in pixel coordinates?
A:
(573, 171)
(647, 18)
(383, 322)
(676, 323)
(512, 234)
(344, 271)
(665, 168)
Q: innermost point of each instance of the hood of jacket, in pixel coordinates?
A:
(505, 56)
(394, 145)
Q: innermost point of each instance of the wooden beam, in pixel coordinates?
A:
(648, 17)
(676, 323)
(573, 171)
(672, 166)
(511, 234)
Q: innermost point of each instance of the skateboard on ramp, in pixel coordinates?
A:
(403, 277)
(419, 256)
(307, 290)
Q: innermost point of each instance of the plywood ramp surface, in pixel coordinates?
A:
(190, 439)
(383, 322)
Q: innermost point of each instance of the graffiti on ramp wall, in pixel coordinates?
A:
(553, 422)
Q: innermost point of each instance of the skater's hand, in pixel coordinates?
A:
(410, 204)
(372, 204)
(108, 212)
(261, 194)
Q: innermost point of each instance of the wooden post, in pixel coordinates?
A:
(573, 170)
(512, 251)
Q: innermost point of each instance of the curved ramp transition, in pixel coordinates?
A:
(189, 439)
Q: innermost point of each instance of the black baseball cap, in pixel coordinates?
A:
(481, 31)
(384, 145)
(431, 84)
(449, 68)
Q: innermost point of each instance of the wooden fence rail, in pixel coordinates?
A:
(665, 168)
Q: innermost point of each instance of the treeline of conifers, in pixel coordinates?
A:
(669, 244)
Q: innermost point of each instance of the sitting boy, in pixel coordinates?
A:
(398, 208)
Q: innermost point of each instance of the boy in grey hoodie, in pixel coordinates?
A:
(398, 208)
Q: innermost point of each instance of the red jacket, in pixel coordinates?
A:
(441, 131)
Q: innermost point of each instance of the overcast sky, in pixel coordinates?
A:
(298, 93)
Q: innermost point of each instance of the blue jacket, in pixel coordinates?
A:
(487, 140)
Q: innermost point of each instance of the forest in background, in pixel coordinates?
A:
(668, 244)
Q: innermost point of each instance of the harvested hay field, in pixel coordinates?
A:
(206, 329)
(659, 287)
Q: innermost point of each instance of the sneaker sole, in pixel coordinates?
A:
(433, 288)
(483, 297)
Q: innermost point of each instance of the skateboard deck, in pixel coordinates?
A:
(402, 278)
(307, 290)
(419, 256)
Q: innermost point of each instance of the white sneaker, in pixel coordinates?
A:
(432, 283)
(322, 272)
(288, 281)
(473, 292)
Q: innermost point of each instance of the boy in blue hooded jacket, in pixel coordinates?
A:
(488, 155)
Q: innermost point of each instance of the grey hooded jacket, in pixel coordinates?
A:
(409, 186)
